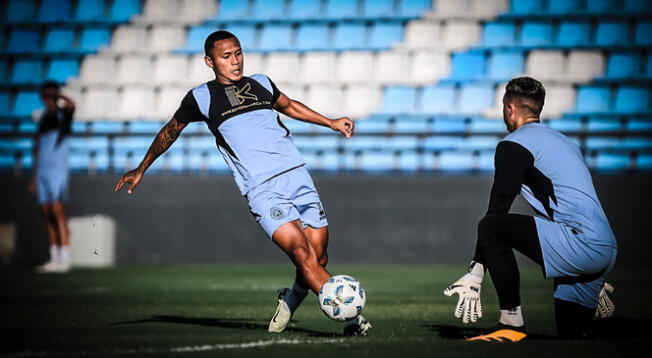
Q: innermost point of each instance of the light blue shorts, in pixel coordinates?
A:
(52, 168)
(286, 197)
(578, 266)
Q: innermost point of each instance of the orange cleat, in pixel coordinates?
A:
(501, 333)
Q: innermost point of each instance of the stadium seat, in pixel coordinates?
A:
(123, 10)
(169, 69)
(482, 143)
(370, 126)
(305, 9)
(632, 100)
(498, 34)
(638, 124)
(281, 66)
(526, 7)
(27, 71)
(128, 38)
(4, 102)
(476, 98)
(107, 127)
(54, 11)
(504, 65)
(355, 66)
(399, 100)
(349, 36)
(276, 37)
(560, 98)
(26, 102)
(456, 160)
(644, 161)
(563, 7)
(89, 73)
(545, 65)
(429, 66)
(566, 125)
(373, 9)
(196, 38)
(413, 8)
(166, 38)
(411, 125)
(92, 38)
(314, 143)
(61, 70)
(89, 10)
(612, 161)
(438, 99)
(573, 34)
(59, 40)
(637, 7)
(437, 143)
(23, 41)
(20, 10)
(385, 35)
(603, 124)
(312, 37)
(468, 66)
(132, 69)
(232, 9)
(536, 34)
(447, 125)
(584, 66)
(268, 9)
(612, 34)
(326, 100)
(97, 103)
(352, 103)
(601, 6)
(623, 65)
(392, 66)
(246, 35)
(642, 36)
(483, 125)
(160, 10)
(592, 99)
(341, 9)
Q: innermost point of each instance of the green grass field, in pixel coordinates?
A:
(193, 311)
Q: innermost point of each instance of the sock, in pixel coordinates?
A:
(64, 254)
(54, 253)
(476, 269)
(295, 297)
(512, 317)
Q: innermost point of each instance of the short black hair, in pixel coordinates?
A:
(529, 93)
(50, 84)
(216, 36)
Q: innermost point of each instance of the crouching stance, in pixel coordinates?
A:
(569, 237)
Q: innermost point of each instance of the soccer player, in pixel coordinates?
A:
(267, 167)
(50, 181)
(569, 237)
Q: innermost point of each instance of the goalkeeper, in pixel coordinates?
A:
(569, 237)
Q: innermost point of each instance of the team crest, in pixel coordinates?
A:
(276, 213)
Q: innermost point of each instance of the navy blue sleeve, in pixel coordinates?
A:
(512, 163)
(189, 110)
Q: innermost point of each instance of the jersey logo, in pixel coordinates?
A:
(276, 213)
(237, 96)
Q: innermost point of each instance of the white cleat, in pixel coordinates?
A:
(282, 316)
(49, 267)
(356, 327)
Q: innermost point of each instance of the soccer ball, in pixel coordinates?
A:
(342, 298)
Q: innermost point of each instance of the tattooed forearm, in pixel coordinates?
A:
(164, 139)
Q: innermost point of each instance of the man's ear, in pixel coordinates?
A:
(208, 61)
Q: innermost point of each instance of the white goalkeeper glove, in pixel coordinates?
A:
(469, 306)
(606, 307)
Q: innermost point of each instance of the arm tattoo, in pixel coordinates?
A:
(163, 141)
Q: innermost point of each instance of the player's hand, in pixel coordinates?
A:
(133, 177)
(469, 306)
(343, 125)
(606, 307)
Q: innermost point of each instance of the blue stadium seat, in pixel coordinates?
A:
(62, 69)
(146, 127)
(312, 37)
(483, 125)
(475, 98)
(480, 143)
(89, 10)
(106, 127)
(603, 124)
(276, 37)
(566, 125)
(592, 99)
(268, 9)
(312, 143)
(444, 125)
(612, 161)
(365, 143)
(435, 143)
(636, 143)
(371, 161)
(385, 35)
(372, 126)
(411, 125)
(536, 34)
(27, 126)
(341, 9)
(602, 143)
(123, 10)
(503, 65)
(232, 9)
(92, 38)
(573, 34)
(399, 100)
(20, 10)
(23, 41)
(400, 143)
(299, 127)
(409, 160)
(486, 160)
(27, 71)
(413, 8)
(246, 35)
(612, 34)
(196, 37)
(26, 102)
(638, 7)
(642, 36)
(468, 66)
(498, 34)
(644, 161)
(377, 8)
(349, 36)
(526, 7)
(563, 7)
(639, 124)
(601, 6)
(89, 144)
(632, 100)
(54, 10)
(4, 102)
(59, 40)
(623, 65)
(305, 9)
(438, 99)
(456, 160)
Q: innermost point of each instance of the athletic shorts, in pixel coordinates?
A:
(577, 266)
(286, 197)
(51, 186)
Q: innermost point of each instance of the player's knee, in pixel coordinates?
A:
(57, 209)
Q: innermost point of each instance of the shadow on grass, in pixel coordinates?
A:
(233, 323)
(615, 328)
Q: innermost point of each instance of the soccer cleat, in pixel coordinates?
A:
(282, 316)
(50, 267)
(356, 327)
(501, 333)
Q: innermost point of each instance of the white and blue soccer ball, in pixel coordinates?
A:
(342, 298)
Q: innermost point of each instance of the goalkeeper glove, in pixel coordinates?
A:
(606, 307)
(468, 307)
